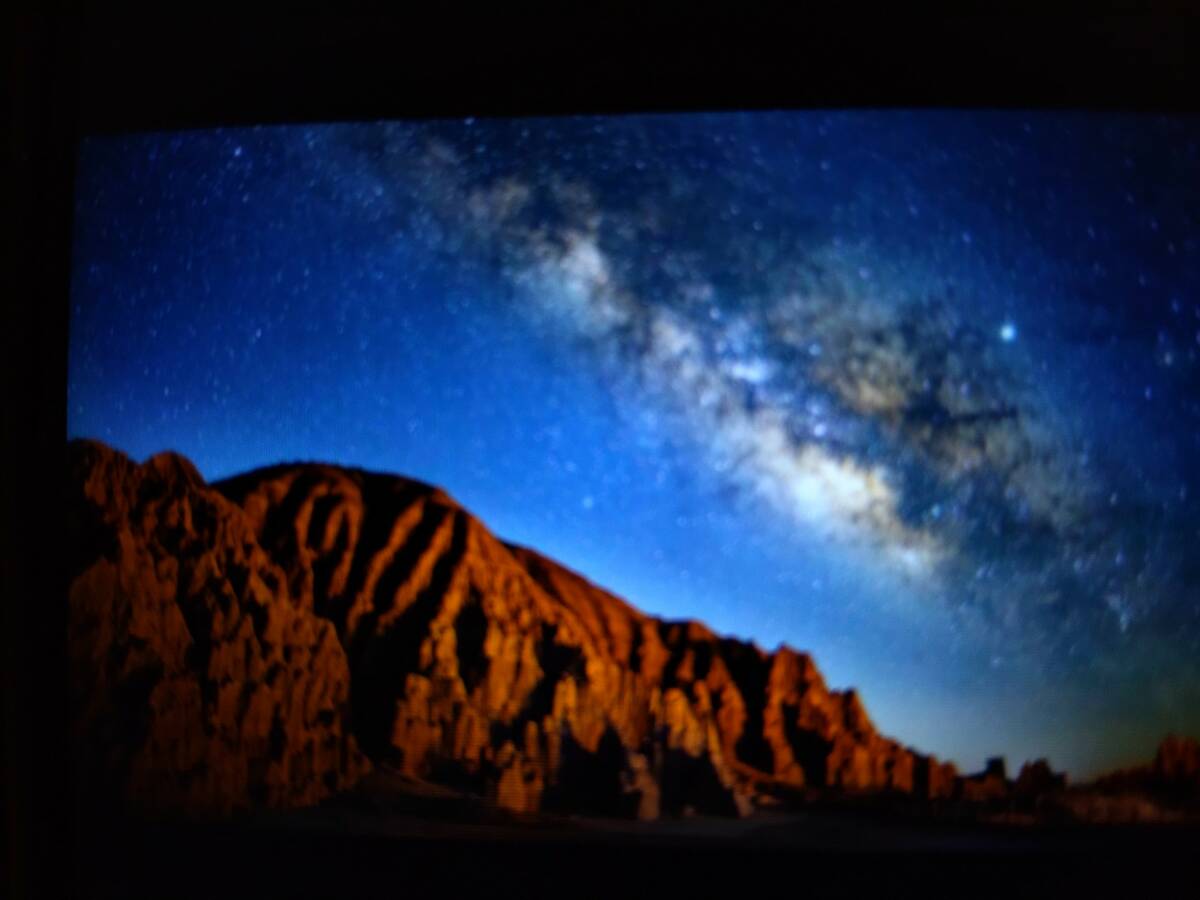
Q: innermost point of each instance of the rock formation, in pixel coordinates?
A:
(237, 643)
(1175, 770)
(1037, 779)
(990, 784)
(200, 681)
(1162, 791)
(1178, 761)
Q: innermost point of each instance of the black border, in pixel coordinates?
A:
(97, 71)
(204, 69)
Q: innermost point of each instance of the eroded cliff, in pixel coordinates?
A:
(237, 643)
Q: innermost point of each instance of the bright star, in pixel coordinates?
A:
(1008, 332)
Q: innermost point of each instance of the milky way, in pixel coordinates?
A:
(948, 361)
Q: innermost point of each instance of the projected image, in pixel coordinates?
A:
(641, 468)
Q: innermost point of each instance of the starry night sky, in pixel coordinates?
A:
(917, 392)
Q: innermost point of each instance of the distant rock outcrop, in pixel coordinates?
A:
(1037, 779)
(990, 784)
(208, 627)
(1165, 790)
(1178, 761)
(1175, 770)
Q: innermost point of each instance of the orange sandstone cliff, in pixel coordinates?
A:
(256, 641)
(200, 682)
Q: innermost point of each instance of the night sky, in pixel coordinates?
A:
(919, 393)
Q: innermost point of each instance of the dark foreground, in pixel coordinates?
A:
(411, 843)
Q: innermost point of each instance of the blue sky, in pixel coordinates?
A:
(912, 391)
